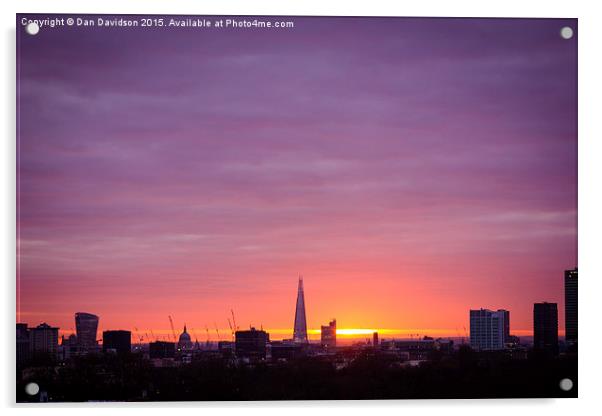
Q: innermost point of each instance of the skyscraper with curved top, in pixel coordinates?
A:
(86, 325)
(300, 329)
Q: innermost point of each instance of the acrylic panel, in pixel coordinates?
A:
(295, 208)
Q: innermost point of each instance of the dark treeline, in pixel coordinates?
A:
(465, 374)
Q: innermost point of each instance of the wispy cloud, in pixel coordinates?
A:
(383, 158)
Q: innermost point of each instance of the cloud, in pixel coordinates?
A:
(366, 147)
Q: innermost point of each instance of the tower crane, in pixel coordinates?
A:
(231, 329)
(217, 331)
(173, 331)
(138, 336)
(234, 320)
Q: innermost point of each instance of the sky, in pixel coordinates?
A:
(409, 169)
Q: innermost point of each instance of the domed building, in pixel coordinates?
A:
(184, 342)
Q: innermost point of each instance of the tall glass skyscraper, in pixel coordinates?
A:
(570, 305)
(489, 330)
(300, 329)
(545, 327)
(86, 326)
(329, 334)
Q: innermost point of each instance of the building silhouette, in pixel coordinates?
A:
(545, 327)
(414, 349)
(328, 335)
(251, 343)
(570, 305)
(69, 347)
(44, 340)
(23, 348)
(375, 339)
(226, 348)
(489, 330)
(118, 341)
(161, 349)
(185, 342)
(284, 350)
(86, 325)
(300, 328)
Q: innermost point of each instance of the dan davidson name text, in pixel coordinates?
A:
(152, 21)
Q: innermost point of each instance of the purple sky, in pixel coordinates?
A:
(410, 169)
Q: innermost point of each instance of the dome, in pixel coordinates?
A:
(184, 337)
(184, 342)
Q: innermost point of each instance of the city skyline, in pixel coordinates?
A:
(412, 168)
(489, 331)
(300, 334)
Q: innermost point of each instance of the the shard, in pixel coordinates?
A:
(300, 331)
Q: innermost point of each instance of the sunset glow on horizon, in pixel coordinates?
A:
(350, 334)
(409, 169)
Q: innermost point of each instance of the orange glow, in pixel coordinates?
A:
(355, 331)
(402, 208)
(351, 332)
(403, 316)
(165, 334)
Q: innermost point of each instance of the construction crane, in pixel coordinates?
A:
(234, 320)
(153, 335)
(138, 336)
(216, 331)
(231, 329)
(173, 331)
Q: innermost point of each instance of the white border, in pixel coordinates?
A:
(590, 202)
